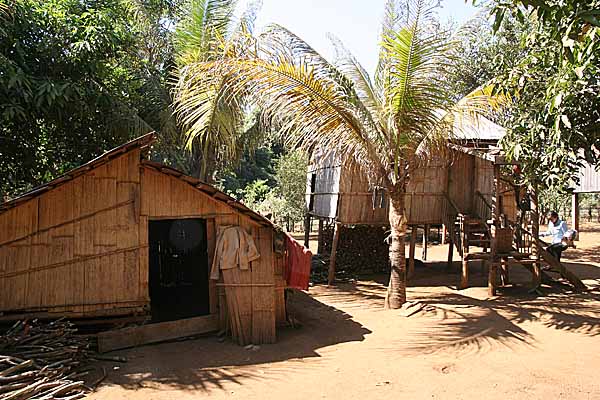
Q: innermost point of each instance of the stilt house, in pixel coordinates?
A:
(470, 193)
(122, 236)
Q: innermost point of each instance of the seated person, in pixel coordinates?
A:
(558, 230)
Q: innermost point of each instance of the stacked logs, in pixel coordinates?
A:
(43, 361)
(361, 249)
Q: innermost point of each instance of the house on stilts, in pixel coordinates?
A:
(124, 236)
(470, 192)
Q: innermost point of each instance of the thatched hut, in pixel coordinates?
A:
(122, 236)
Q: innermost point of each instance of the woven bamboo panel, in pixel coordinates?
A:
(460, 181)
(75, 245)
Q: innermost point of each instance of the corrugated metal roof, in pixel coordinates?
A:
(477, 128)
(589, 180)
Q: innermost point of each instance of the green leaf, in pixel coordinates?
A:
(498, 19)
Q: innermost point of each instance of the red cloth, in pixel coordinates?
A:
(297, 272)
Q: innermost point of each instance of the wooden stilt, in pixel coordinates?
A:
(411, 252)
(425, 241)
(334, 244)
(320, 237)
(535, 231)
(504, 272)
(492, 278)
(307, 230)
(450, 254)
(464, 276)
(444, 233)
(575, 213)
(496, 210)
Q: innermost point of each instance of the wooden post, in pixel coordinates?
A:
(535, 231)
(495, 224)
(320, 237)
(334, 244)
(575, 213)
(492, 278)
(450, 253)
(444, 233)
(307, 230)
(425, 241)
(504, 272)
(495, 208)
(411, 252)
(464, 276)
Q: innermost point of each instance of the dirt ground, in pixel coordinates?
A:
(463, 345)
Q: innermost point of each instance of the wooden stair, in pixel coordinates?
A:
(549, 259)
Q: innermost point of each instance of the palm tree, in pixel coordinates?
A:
(388, 126)
(215, 129)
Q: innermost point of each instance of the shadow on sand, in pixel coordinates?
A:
(206, 364)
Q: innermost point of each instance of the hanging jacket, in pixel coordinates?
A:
(235, 248)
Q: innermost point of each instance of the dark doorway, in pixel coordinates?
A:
(178, 276)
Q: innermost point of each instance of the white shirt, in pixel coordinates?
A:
(557, 232)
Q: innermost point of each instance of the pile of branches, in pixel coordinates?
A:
(43, 361)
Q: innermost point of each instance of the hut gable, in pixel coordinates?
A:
(73, 234)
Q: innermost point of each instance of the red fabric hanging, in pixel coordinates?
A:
(297, 273)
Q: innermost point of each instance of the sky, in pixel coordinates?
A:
(355, 22)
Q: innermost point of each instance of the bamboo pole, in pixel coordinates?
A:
(535, 232)
(411, 252)
(320, 237)
(444, 233)
(450, 253)
(307, 230)
(425, 241)
(334, 244)
(575, 213)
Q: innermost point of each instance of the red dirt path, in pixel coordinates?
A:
(464, 345)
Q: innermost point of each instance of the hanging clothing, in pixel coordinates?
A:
(235, 249)
(299, 258)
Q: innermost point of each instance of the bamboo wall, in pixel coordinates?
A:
(588, 179)
(425, 199)
(75, 249)
(81, 248)
(484, 184)
(165, 196)
(325, 194)
(355, 205)
(461, 181)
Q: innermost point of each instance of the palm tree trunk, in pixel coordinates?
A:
(396, 293)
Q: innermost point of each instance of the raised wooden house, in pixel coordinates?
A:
(469, 192)
(123, 236)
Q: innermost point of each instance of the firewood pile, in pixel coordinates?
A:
(361, 250)
(43, 361)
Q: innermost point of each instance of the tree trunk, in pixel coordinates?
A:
(396, 293)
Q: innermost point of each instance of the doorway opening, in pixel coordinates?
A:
(178, 262)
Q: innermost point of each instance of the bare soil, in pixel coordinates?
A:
(462, 345)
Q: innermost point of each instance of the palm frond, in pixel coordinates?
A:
(354, 71)
(416, 58)
(207, 25)
(309, 109)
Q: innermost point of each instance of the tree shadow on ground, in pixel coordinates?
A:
(458, 321)
(462, 324)
(206, 364)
